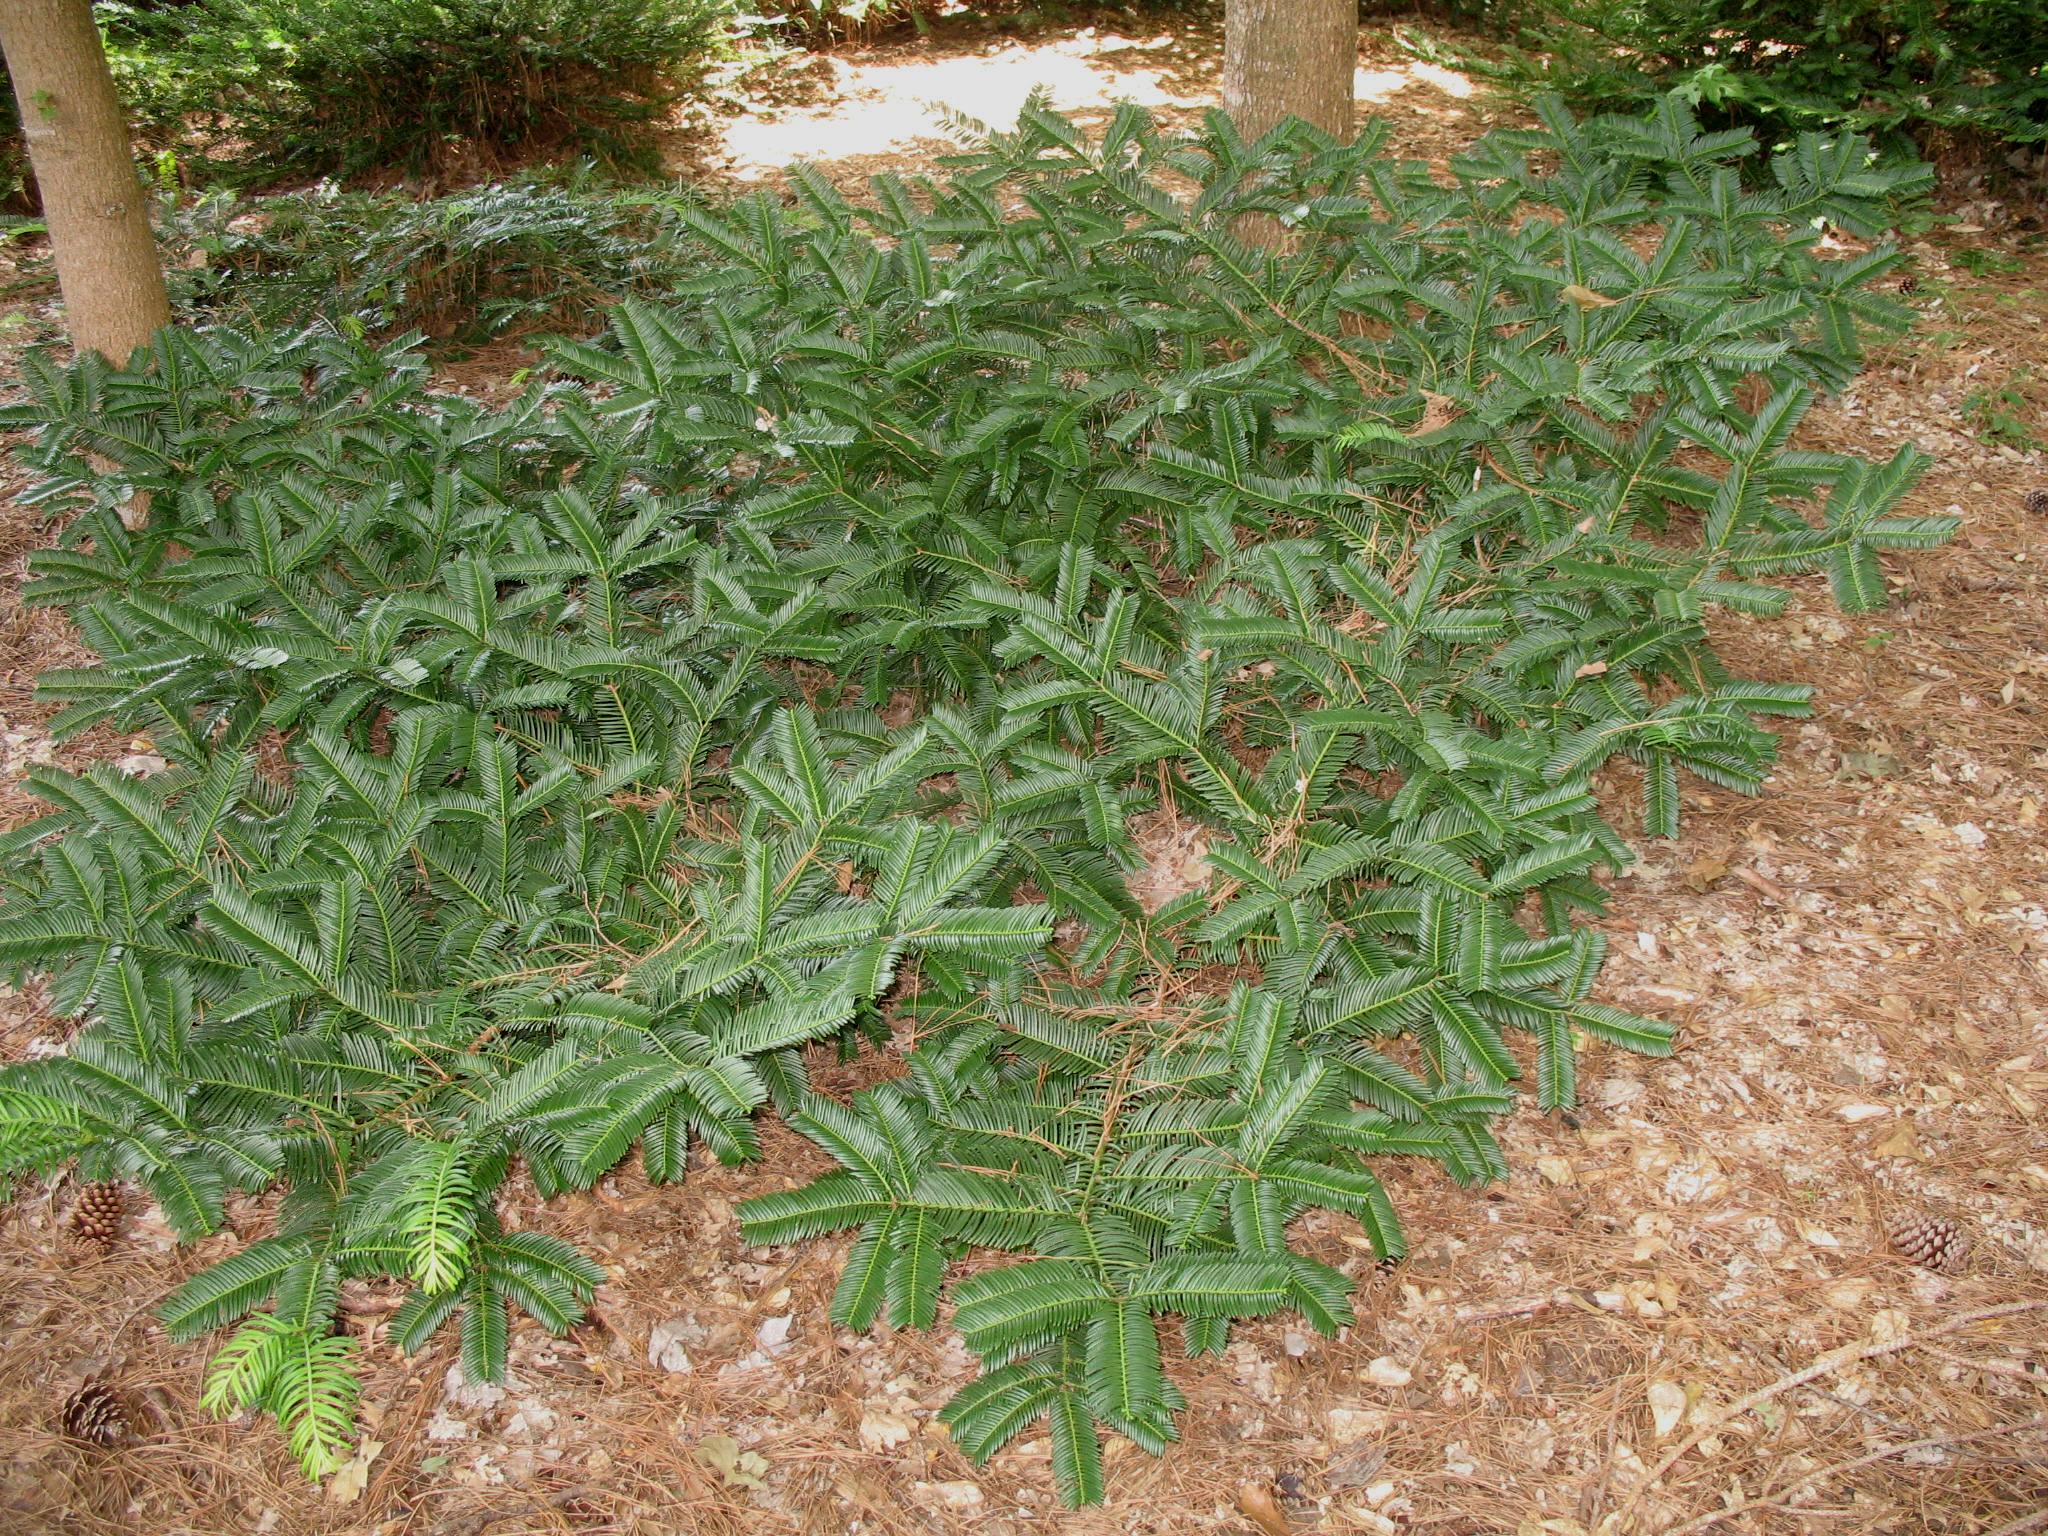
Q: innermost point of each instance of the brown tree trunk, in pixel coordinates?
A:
(1289, 58)
(107, 264)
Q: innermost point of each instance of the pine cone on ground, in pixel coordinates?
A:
(95, 1415)
(1932, 1242)
(2037, 501)
(96, 1218)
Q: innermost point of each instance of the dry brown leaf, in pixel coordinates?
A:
(1900, 1144)
(1256, 1503)
(736, 1468)
(882, 1430)
(1703, 873)
(347, 1484)
(1849, 1295)
(1585, 298)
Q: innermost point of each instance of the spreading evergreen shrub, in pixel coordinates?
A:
(534, 796)
(1938, 72)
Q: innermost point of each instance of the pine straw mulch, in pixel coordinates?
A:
(1679, 1315)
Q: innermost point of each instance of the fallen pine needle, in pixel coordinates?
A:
(1833, 1360)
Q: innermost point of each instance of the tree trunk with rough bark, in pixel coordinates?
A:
(1289, 58)
(107, 264)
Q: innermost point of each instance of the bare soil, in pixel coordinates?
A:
(1680, 1314)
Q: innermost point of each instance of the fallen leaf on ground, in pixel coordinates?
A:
(347, 1485)
(1256, 1502)
(1899, 1144)
(880, 1431)
(736, 1468)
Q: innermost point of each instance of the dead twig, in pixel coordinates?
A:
(2013, 1368)
(1528, 1308)
(1883, 1453)
(1833, 1360)
(1762, 884)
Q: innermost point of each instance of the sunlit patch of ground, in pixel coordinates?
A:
(893, 106)
(1376, 85)
(906, 102)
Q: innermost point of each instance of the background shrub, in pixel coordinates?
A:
(819, 23)
(418, 86)
(17, 194)
(823, 23)
(1928, 69)
(539, 251)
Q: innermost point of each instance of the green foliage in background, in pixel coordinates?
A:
(822, 24)
(446, 88)
(542, 786)
(2004, 413)
(254, 91)
(545, 250)
(1937, 72)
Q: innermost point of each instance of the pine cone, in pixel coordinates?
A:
(96, 1218)
(1909, 284)
(95, 1414)
(2037, 501)
(1932, 1242)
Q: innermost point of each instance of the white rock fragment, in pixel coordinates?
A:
(1348, 1426)
(474, 1395)
(531, 1417)
(1667, 1406)
(773, 1335)
(1386, 1372)
(1619, 1092)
